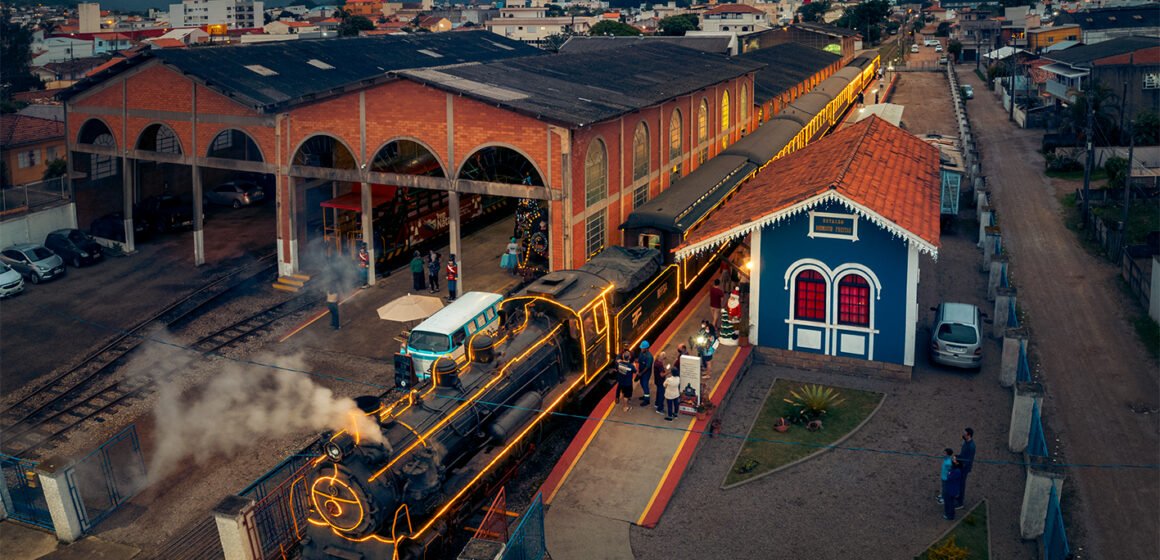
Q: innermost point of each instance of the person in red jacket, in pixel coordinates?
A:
(452, 277)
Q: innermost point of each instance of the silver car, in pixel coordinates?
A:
(956, 338)
(33, 262)
(235, 193)
(11, 282)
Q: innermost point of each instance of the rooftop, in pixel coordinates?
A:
(826, 29)
(17, 129)
(789, 65)
(584, 88)
(1086, 54)
(880, 171)
(1141, 16)
(733, 9)
(709, 44)
(270, 76)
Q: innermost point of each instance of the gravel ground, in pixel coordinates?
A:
(878, 499)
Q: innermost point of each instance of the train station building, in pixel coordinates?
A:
(835, 233)
(392, 139)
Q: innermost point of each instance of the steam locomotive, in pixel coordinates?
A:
(443, 439)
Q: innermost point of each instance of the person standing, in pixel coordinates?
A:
(967, 458)
(625, 373)
(364, 264)
(716, 296)
(944, 470)
(511, 256)
(332, 305)
(952, 487)
(434, 268)
(644, 367)
(452, 277)
(417, 272)
(708, 340)
(672, 395)
(660, 369)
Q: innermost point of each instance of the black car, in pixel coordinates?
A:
(165, 213)
(112, 227)
(74, 246)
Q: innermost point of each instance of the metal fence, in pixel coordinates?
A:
(1139, 280)
(1055, 545)
(280, 508)
(527, 541)
(494, 525)
(107, 477)
(20, 200)
(1036, 441)
(23, 496)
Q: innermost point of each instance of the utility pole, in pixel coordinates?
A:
(1087, 168)
(1127, 186)
(1011, 90)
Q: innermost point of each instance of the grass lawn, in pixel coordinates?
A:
(772, 449)
(969, 534)
(1143, 217)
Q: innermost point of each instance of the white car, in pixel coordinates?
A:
(11, 282)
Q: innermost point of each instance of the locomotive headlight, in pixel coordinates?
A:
(334, 451)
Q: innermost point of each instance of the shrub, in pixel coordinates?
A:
(1062, 163)
(948, 550)
(810, 402)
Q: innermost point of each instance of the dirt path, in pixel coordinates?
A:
(1093, 365)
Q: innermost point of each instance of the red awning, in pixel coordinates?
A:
(380, 194)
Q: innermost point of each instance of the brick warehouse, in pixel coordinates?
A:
(600, 133)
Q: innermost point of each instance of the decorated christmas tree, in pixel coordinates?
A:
(532, 234)
(730, 316)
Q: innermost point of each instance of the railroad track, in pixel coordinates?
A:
(76, 394)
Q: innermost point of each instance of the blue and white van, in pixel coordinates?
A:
(447, 331)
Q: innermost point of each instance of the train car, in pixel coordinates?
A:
(394, 494)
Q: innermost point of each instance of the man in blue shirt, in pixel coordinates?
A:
(625, 375)
(967, 458)
(644, 367)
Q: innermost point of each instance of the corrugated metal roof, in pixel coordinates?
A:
(789, 65)
(580, 89)
(710, 44)
(1085, 54)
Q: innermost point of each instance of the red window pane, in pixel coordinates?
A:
(854, 301)
(810, 296)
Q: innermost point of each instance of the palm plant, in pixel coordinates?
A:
(811, 402)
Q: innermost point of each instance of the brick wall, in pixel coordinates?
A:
(835, 364)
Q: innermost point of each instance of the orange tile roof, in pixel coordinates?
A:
(17, 130)
(734, 9)
(166, 44)
(1149, 56)
(878, 170)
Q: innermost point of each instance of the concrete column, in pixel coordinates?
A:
(368, 231)
(995, 279)
(5, 499)
(984, 222)
(129, 194)
(198, 218)
(453, 229)
(992, 238)
(234, 517)
(1014, 342)
(980, 202)
(1004, 299)
(66, 518)
(1041, 478)
(1027, 395)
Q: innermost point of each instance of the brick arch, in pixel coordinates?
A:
(522, 153)
(422, 144)
(247, 135)
(334, 137)
(145, 129)
(84, 126)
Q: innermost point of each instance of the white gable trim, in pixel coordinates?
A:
(744, 229)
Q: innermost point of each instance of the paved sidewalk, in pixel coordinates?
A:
(623, 466)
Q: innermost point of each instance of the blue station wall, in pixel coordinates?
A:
(785, 243)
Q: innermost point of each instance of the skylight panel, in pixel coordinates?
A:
(260, 70)
(431, 53)
(319, 64)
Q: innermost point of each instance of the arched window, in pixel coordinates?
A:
(724, 119)
(595, 173)
(810, 296)
(703, 132)
(743, 110)
(640, 164)
(676, 132)
(854, 301)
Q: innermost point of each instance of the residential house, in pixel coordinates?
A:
(68, 72)
(290, 27)
(435, 24)
(536, 30)
(370, 9)
(1043, 37)
(1128, 66)
(1104, 24)
(234, 14)
(27, 144)
(734, 18)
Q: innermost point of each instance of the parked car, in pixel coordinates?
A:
(112, 227)
(74, 246)
(968, 92)
(235, 193)
(33, 262)
(938, 47)
(942, 59)
(11, 282)
(956, 338)
(165, 212)
(914, 48)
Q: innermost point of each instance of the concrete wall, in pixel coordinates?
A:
(1154, 300)
(33, 227)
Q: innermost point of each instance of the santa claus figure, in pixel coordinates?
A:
(734, 306)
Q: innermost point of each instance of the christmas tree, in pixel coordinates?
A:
(728, 333)
(532, 232)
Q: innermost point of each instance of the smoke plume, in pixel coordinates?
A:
(243, 404)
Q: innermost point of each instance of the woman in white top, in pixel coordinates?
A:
(672, 393)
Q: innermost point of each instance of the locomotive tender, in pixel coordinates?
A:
(445, 438)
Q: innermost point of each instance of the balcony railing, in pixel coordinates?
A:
(1060, 90)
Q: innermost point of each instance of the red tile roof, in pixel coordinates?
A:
(1149, 56)
(164, 44)
(880, 171)
(17, 130)
(733, 9)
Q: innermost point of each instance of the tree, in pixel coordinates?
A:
(955, 49)
(1146, 128)
(943, 30)
(15, 54)
(814, 11)
(678, 25)
(613, 28)
(55, 168)
(351, 25)
(1104, 103)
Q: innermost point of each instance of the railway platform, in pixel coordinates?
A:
(622, 468)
